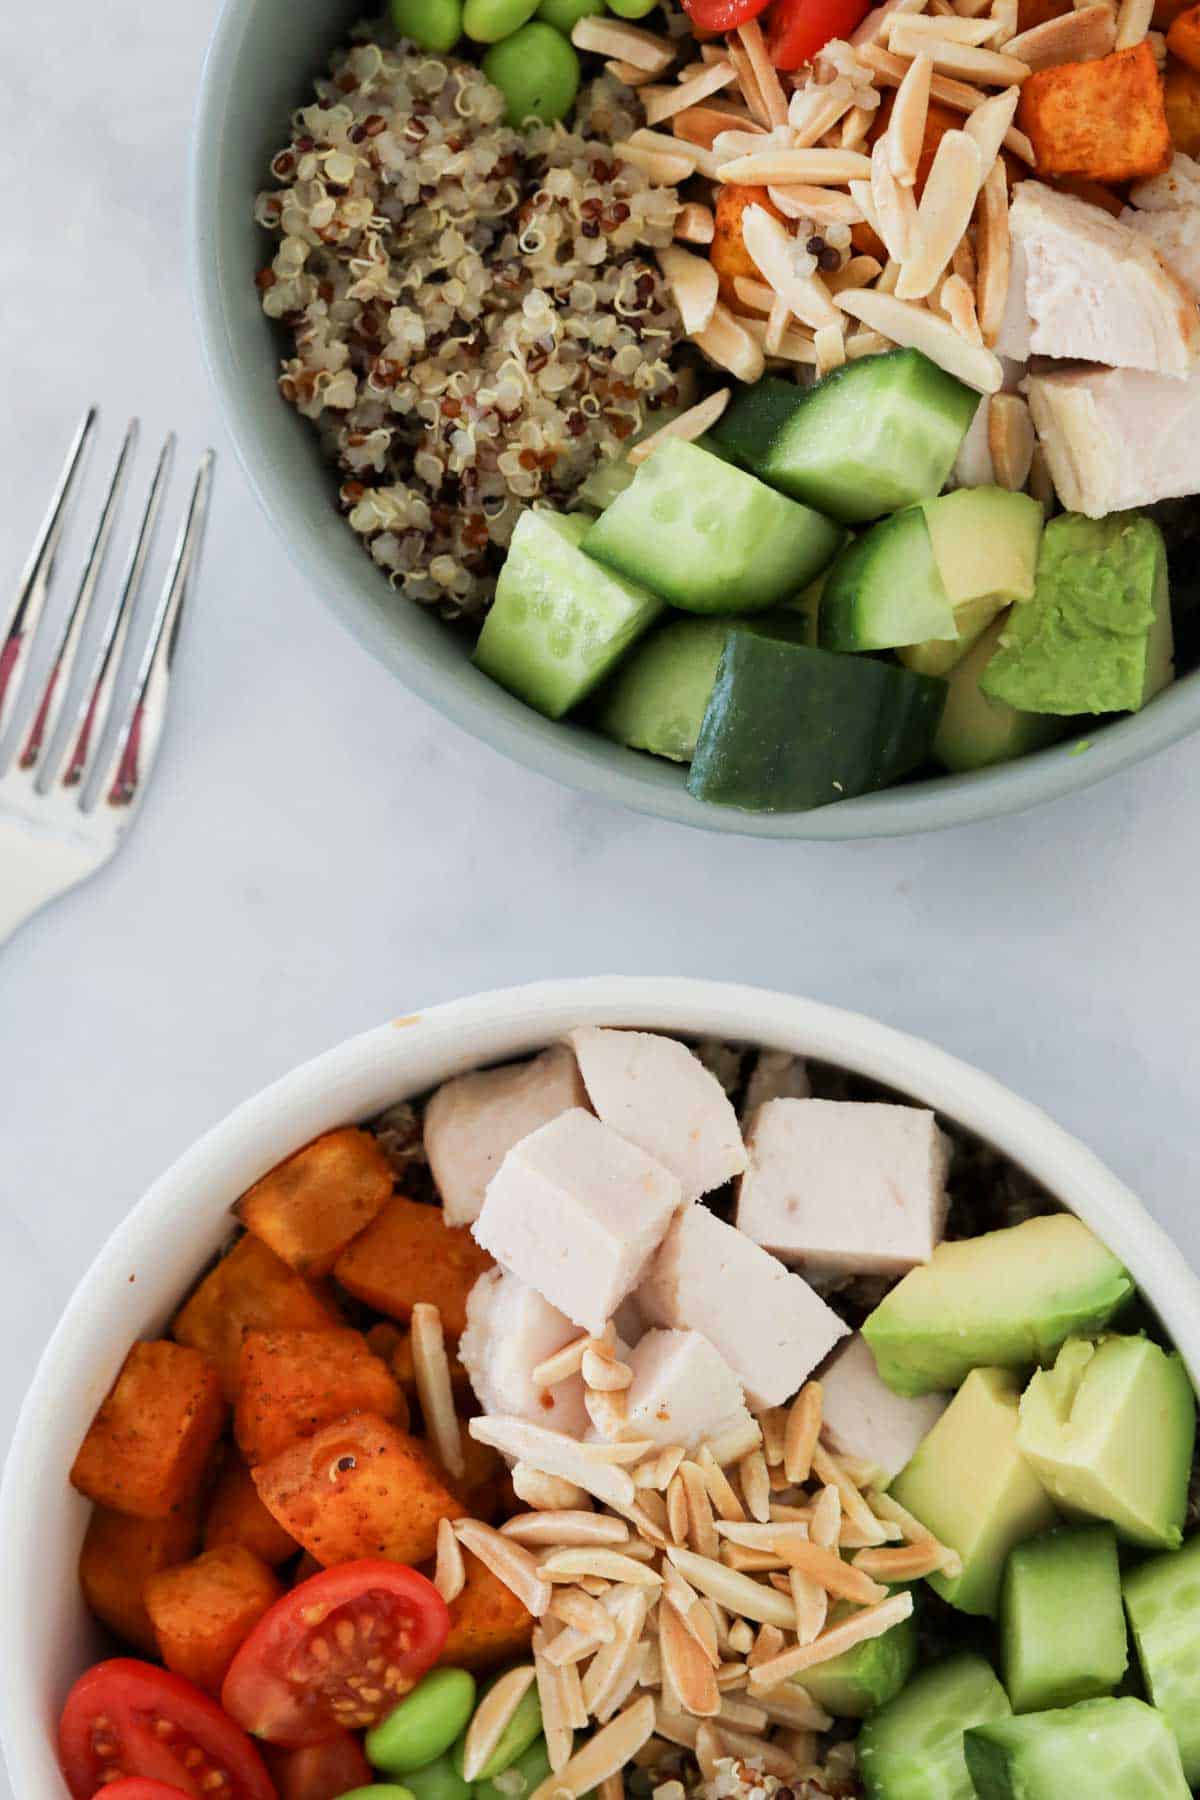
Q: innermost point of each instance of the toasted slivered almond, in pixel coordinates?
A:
(626, 1452)
(1133, 22)
(671, 100)
(735, 1442)
(793, 345)
(612, 1787)
(824, 206)
(825, 1527)
(658, 143)
(752, 1562)
(993, 253)
(752, 1474)
(910, 1562)
(766, 168)
(584, 1612)
(856, 126)
(1011, 440)
(593, 1585)
(743, 1715)
(793, 1707)
(657, 1471)
(694, 287)
(1006, 15)
(838, 1578)
(957, 301)
(687, 426)
(664, 168)
(509, 1562)
(562, 1365)
(694, 223)
(811, 1602)
(754, 294)
(548, 1493)
(648, 1516)
(802, 1426)
(726, 342)
(1041, 482)
(450, 1571)
(601, 1370)
(570, 1687)
(952, 28)
(565, 1529)
(735, 140)
(871, 1622)
(702, 1532)
(905, 135)
(878, 23)
(1074, 37)
(555, 1454)
(572, 1646)
(760, 1536)
(961, 96)
(887, 281)
(703, 125)
(830, 345)
(989, 125)
(853, 1537)
(710, 1748)
(895, 207)
(700, 1622)
(741, 1637)
(610, 1565)
(826, 1466)
(626, 72)
(677, 1510)
(613, 1671)
(431, 1367)
(769, 86)
(606, 36)
(963, 263)
(966, 61)
(863, 197)
(747, 81)
(677, 1589)
(639, 1548)
(813, 111)
(721, 1491)
(779, 1481)
(556, 1726)
(943, 215)
(747, 1598)
(685, 1667)
(492, 1717)
(731, 1676)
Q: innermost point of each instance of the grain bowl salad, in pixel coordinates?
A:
(646, 1419)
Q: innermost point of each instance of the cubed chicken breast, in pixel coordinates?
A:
(577, 1211)
(510, 1330)
(767, 1323)
(1166, 210)
(658, 1095)
(1095, 289)
(1117, 438)
(845, 1187)
(864, 1419)
(776, 1075)
(472, 1123)
(683, 1391)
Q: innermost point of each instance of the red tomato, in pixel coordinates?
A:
(800, 28)
(722, 15)
(128, 1718)
(137, 1789)
(322, 1772)
(337, 1653)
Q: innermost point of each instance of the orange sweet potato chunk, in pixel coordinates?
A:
(308, 1208)
(1103, 120)
(488, 1624)
(119, 1556)
(1181, 96)
(727, 252)
(203, 1611)
(249, 1287)
(1183, 39)
(293, 1382)
(147, 1449)
(236, 1515)
(408, 1255)
(358, 1487)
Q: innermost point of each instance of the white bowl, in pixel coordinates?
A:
(135, 1283)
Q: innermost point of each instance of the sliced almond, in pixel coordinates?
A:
(657, 1471)
(1074, 37)
(602, 1371)
(509, 1562)
(963, 261)
(666, 102)
(905, 135)
(702, 1533)
(741, 1637)
(694, 223)
(686, 426)
(562, 1365)
(793, 1707)
(625, 1452)
(548, 1493)
(694, 287)
(910, 1562)
(664, 168)
(744, 1715)
(678, 1521)
(556, 1725)
(766, 168)
(747, 82)
(680, 1728)
(769, 86)
(755, 1483)
(762, 1536)
(1133, 22)
(721, 1491)
(1010, 440)
(431, 1367)
(1006, 15)
(610, 1565)
(871, 1622)
(571, 1647)
(951, 27)
(957, 300)
(824, 206)
(813, 111)
(993, 68)
(450, 1571)
(993, 253)
(838, 1578)
(811, 1602)
(735, 1442)
(990, 124)
(726, 342)
(659, 143)
(943, 215)
(606, 36)
(584, 1612)
(685, 1665)
(565, 1529)
(803, 1427)
(614, 1669)
(492, 1717)
(751, 1562)
(894, 205)
(742, 1595)
(826, 1526)
(1041, 486)
(703, 125)
(856, 127)
(826, 1466)
(710, 1749)
(554, 1454)
(830, 344)
(626, 72)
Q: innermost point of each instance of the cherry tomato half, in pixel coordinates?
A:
(126, 1718)
(337, 1653)
(136, 1788)
(722, 15)
(798, 29)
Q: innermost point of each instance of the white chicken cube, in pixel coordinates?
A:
(776, 1075)
(576, 1211)
(845, 1187)
(510, 1330)
(1117, 438)
(766, 1322)
(861, 1417)
(658, 1095)
(472, 1123)
(683, 1391)
(1166, 210)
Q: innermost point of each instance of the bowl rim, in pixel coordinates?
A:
(520, 733)
(195, 1192)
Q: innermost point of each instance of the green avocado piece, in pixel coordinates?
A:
(1104, 1749)
(970, 1486)
(912, 1748)
(1062, 1625)
(985, 543)
(1096, 637)
(976, 732)
(1110, 1430)
(1162, 1599)
(1008, 1299)
(867, 1676)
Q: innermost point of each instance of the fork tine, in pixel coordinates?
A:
(22, 621)
(58, 682)
(141, 733)
(92, 714)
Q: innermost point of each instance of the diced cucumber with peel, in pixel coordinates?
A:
(872, 437)
(1162, 1598)
(867, 1675)
(912, 1748)
(1061, 1621)
(560, 622)
(1115, 1749)
(656, 699)
(708, 537)
(885, 589)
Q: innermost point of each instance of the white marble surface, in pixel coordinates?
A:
(320, 851)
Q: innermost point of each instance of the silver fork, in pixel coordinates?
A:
(64, 810)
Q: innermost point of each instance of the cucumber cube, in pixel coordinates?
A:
(912, 1748)
(1104, 1749)
(1062, 1624)
(656, 699)
(866, 1676)
(1162, 1599)
(885, 589)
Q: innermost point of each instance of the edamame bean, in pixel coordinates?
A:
(564, 15)
(537, 71)
(489, 21)
(425, 1723)
(380, 1790)
(533, 1768)
(431, 24)
(524, 1726)
(632, 9)
(440, 1780)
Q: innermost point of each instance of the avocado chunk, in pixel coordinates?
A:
(866, 1676)
(1162, 1599)
(985, 543)
(977, 732)
(1062, 1624)
(970, 1486)
(1110, 1430)
(912, 1748)
(1096, 637)
(1104, 1749)
(1009, 1299)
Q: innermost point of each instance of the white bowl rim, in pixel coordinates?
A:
(405, 1057)
(522, 734)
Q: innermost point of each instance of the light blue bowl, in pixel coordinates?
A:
(260, 67)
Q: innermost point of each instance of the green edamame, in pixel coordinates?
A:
(524, 1726)
(632, 9)
(433, 25)
(564, 15)
(425, 1723)
(537, 71)
(380, 1790)
(489, 21)
(533, 1767)
(440, 1780)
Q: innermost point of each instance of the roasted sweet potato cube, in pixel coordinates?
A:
(293, 1382)
(1183, 39)
(408, 1255)
(396, 1349)
(1092, 192)
(1181, 96)
(236, 1515)
(359, 1487)
(939, 119)
(1167, 11)
(1103, 120)
(203, 1611)
(119, 1556)
(727, 252)
(147, 1448)
(308, 1208)
(249, 1287)
(488, 1624)
(483, 1486)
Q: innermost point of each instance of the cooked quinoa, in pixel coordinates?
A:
(475, 315)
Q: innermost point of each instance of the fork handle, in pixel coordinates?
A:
(35, 869)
